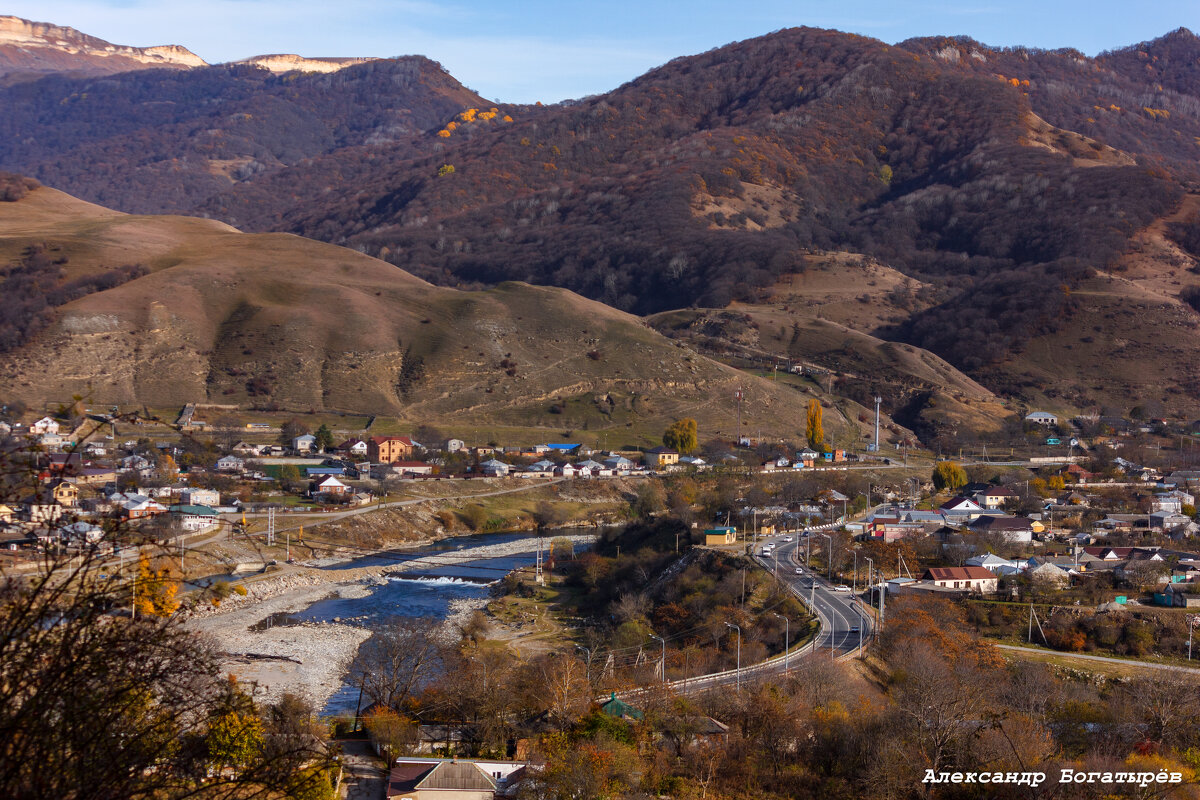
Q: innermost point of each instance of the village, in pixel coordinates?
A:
(990, 527)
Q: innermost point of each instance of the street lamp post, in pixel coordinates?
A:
(829, 555)
(588, 662)
(787, 639)
(739, 653)
(870, 575)
(854, 580)
(663, 642)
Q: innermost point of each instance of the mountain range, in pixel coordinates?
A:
(1032, 214)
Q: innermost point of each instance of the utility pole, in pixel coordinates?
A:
(737, 395)
(589, 662)
(663, 665)
(739, 653)
(870, 575)
(787, 639)
(829, 556)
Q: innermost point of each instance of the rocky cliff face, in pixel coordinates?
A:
(39, 47)
(290, 62)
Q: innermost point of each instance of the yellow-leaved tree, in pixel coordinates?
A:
(154, 590)
(815, 431)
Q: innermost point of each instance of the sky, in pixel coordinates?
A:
(521, 51)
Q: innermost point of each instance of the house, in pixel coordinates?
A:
(246, 449)
(353, 447)
(968, 579)
(443, 780)
(699, 463)
(230, 464)
(45, 425)
(616, 462)
(1041, 418)
(387, 449)
(715, 537)
(64, 493)
(1018, 530)
(137, 506)
(413, 467)
(82, 533)
(1172, 501)
(96, 476)
(1049, 574)
(615, 707)
(993, 563)
(331, 485)
(1071, 499)
(200, 497)
(996, 497)
(1078, 473)
(304, 443)
(545, 465)
(566, 471)
(961, 509)
(193, 517)
(807, 456)
(495, 469)
(662, 456)
(1178, 595)
(454, 445)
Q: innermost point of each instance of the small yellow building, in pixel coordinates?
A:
(715, 537)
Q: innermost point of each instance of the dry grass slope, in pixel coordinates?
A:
(275, 318)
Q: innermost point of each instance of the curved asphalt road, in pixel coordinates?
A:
(845, 623)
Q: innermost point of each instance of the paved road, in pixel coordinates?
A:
(1124, 662)
(291, 521)
(844, 622)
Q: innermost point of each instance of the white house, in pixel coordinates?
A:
(230, 464)
(995, 497)
(82, 533)
(45, 425)
(194, 517)
(304, 443)
(969, 579)
(200, 497)
(455, 445)
(1041, 418)
(992, 562)
(495, 469)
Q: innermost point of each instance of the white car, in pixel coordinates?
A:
(786, 539)
(843, 589)
(799, 571)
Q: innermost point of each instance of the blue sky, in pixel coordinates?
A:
(539, 50)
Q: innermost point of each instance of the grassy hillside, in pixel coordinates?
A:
(278, 321)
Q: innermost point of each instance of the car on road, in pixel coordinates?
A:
(854, 629)
(786, 539)
(799, 571)
(843, 589)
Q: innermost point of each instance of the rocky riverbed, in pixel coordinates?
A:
(310, 659)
